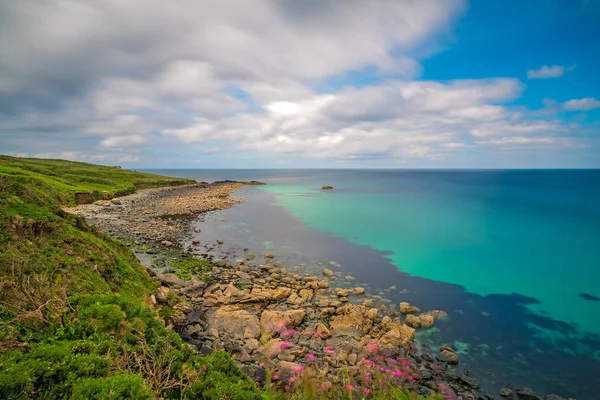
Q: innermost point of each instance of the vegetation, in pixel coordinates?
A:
(76, 321)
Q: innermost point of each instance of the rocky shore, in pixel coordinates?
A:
(280, 325)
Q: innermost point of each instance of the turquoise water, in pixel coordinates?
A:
(535, 233)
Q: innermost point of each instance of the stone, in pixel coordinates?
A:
(162, 296)
(323, 284)
(269, 256)
(352, 358)
(327, 272)
(469, 381)
(506, 393)
(385, 320)
(352, 320)
(197, 230)
(322, 331)
(170, 279)
(275, 321)
(406, 308)
(166, 243)
(289, 368)
(326, 187)
(279, 293)
(83, 198)
(526, 393)
(116, 202)
(235, 323)
(448, 357)
(306, 294)
(250, 256)
(219, 241)
(196, 242)
(368, 303)
(553, 397)
(295, 300)
(359, 290)
(426, 320)
(396, 336)
(342, 292)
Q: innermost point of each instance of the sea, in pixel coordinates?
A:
(512, 257)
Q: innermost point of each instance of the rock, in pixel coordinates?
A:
(396, 336)
(385, 320)
(116, 202)
(279, 293)
(413, 321)
(295, 300)
(359, 290)
(289, 368)
(196, 242)
(342, 292)
(323, 284)
(170, 279)
(506, 393)
(153, 299)
(275, 321)
(322, 331)
(197, 230)
(166, 243)
(426, 320)
(250, 256)
(103, 203)
(368, 303)
(448, 357)
(469, 381)
(526, 393)
(352, 320)
(326, 187)
(306, 294)
(162, 296)
(327, 272)
(269, 256)
(406, 308)
(219, 241)
(233, 323)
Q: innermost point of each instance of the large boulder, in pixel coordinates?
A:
(170, 280)
(396, 336)
(232, 323)
(276, 321)
(265, 294)
(406, 308)
(526, 393)
(352, 320)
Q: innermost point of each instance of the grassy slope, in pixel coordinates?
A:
(73, 323)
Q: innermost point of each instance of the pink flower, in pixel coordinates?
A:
(387, 371)
(405, 363)
(310, 356)
(281, 326)
(368, 363)
(297, 369)
(410, 378)
(275, 377)
(324, 386)
(261, 365)
(328, 350)
(349, 387)
(291, 379)
(368, 376)
(317, 334)
(366, 391)
(289, 333)
(285, 345)
(372, 347)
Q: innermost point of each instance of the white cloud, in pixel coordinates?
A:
(120, 141)
(555, 71)
(584, 104)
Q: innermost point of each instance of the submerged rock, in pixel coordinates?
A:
(526, 393)
(506, 393)
(326, 187)
(327, 272)
(406, 308)
(448, 356)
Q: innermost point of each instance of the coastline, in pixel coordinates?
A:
(206, 308)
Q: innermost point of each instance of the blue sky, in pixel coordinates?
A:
(280, 84)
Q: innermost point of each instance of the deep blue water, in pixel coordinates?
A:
(512, 256)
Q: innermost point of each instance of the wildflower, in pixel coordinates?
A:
(317, 334)
(398, 373)
(372, 347)
(368, 376)
(387, 371)
(289, 333)
(366, 390)
(261, 365)
(281, 326)
(368, 363)
(291, 379)
(275, 377)
(297, 369)
(410, 378)
(405, 363)
(285, 345)
(310, 356)
(349, 387)
(324, 386)
(328, 350)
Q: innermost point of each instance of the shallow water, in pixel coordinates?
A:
(512, 256)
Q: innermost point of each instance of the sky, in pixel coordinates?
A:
(302, 84)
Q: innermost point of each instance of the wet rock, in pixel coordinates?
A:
(219, 241)
(196, 242)
(326, 187)
(448, 357)
(352, 320)
(166, 243)
(170, 279)
(250, 256)
(269, 256)
(426, 320)
(359, 290)
(327, 272)
(323, 284)
(526, 393)
(275, 321)
(162, 296)
(554, 397)
(396, 336)
(197, 230)
(506, 393)
(342, 292)
(469, 381)
(406, 308)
